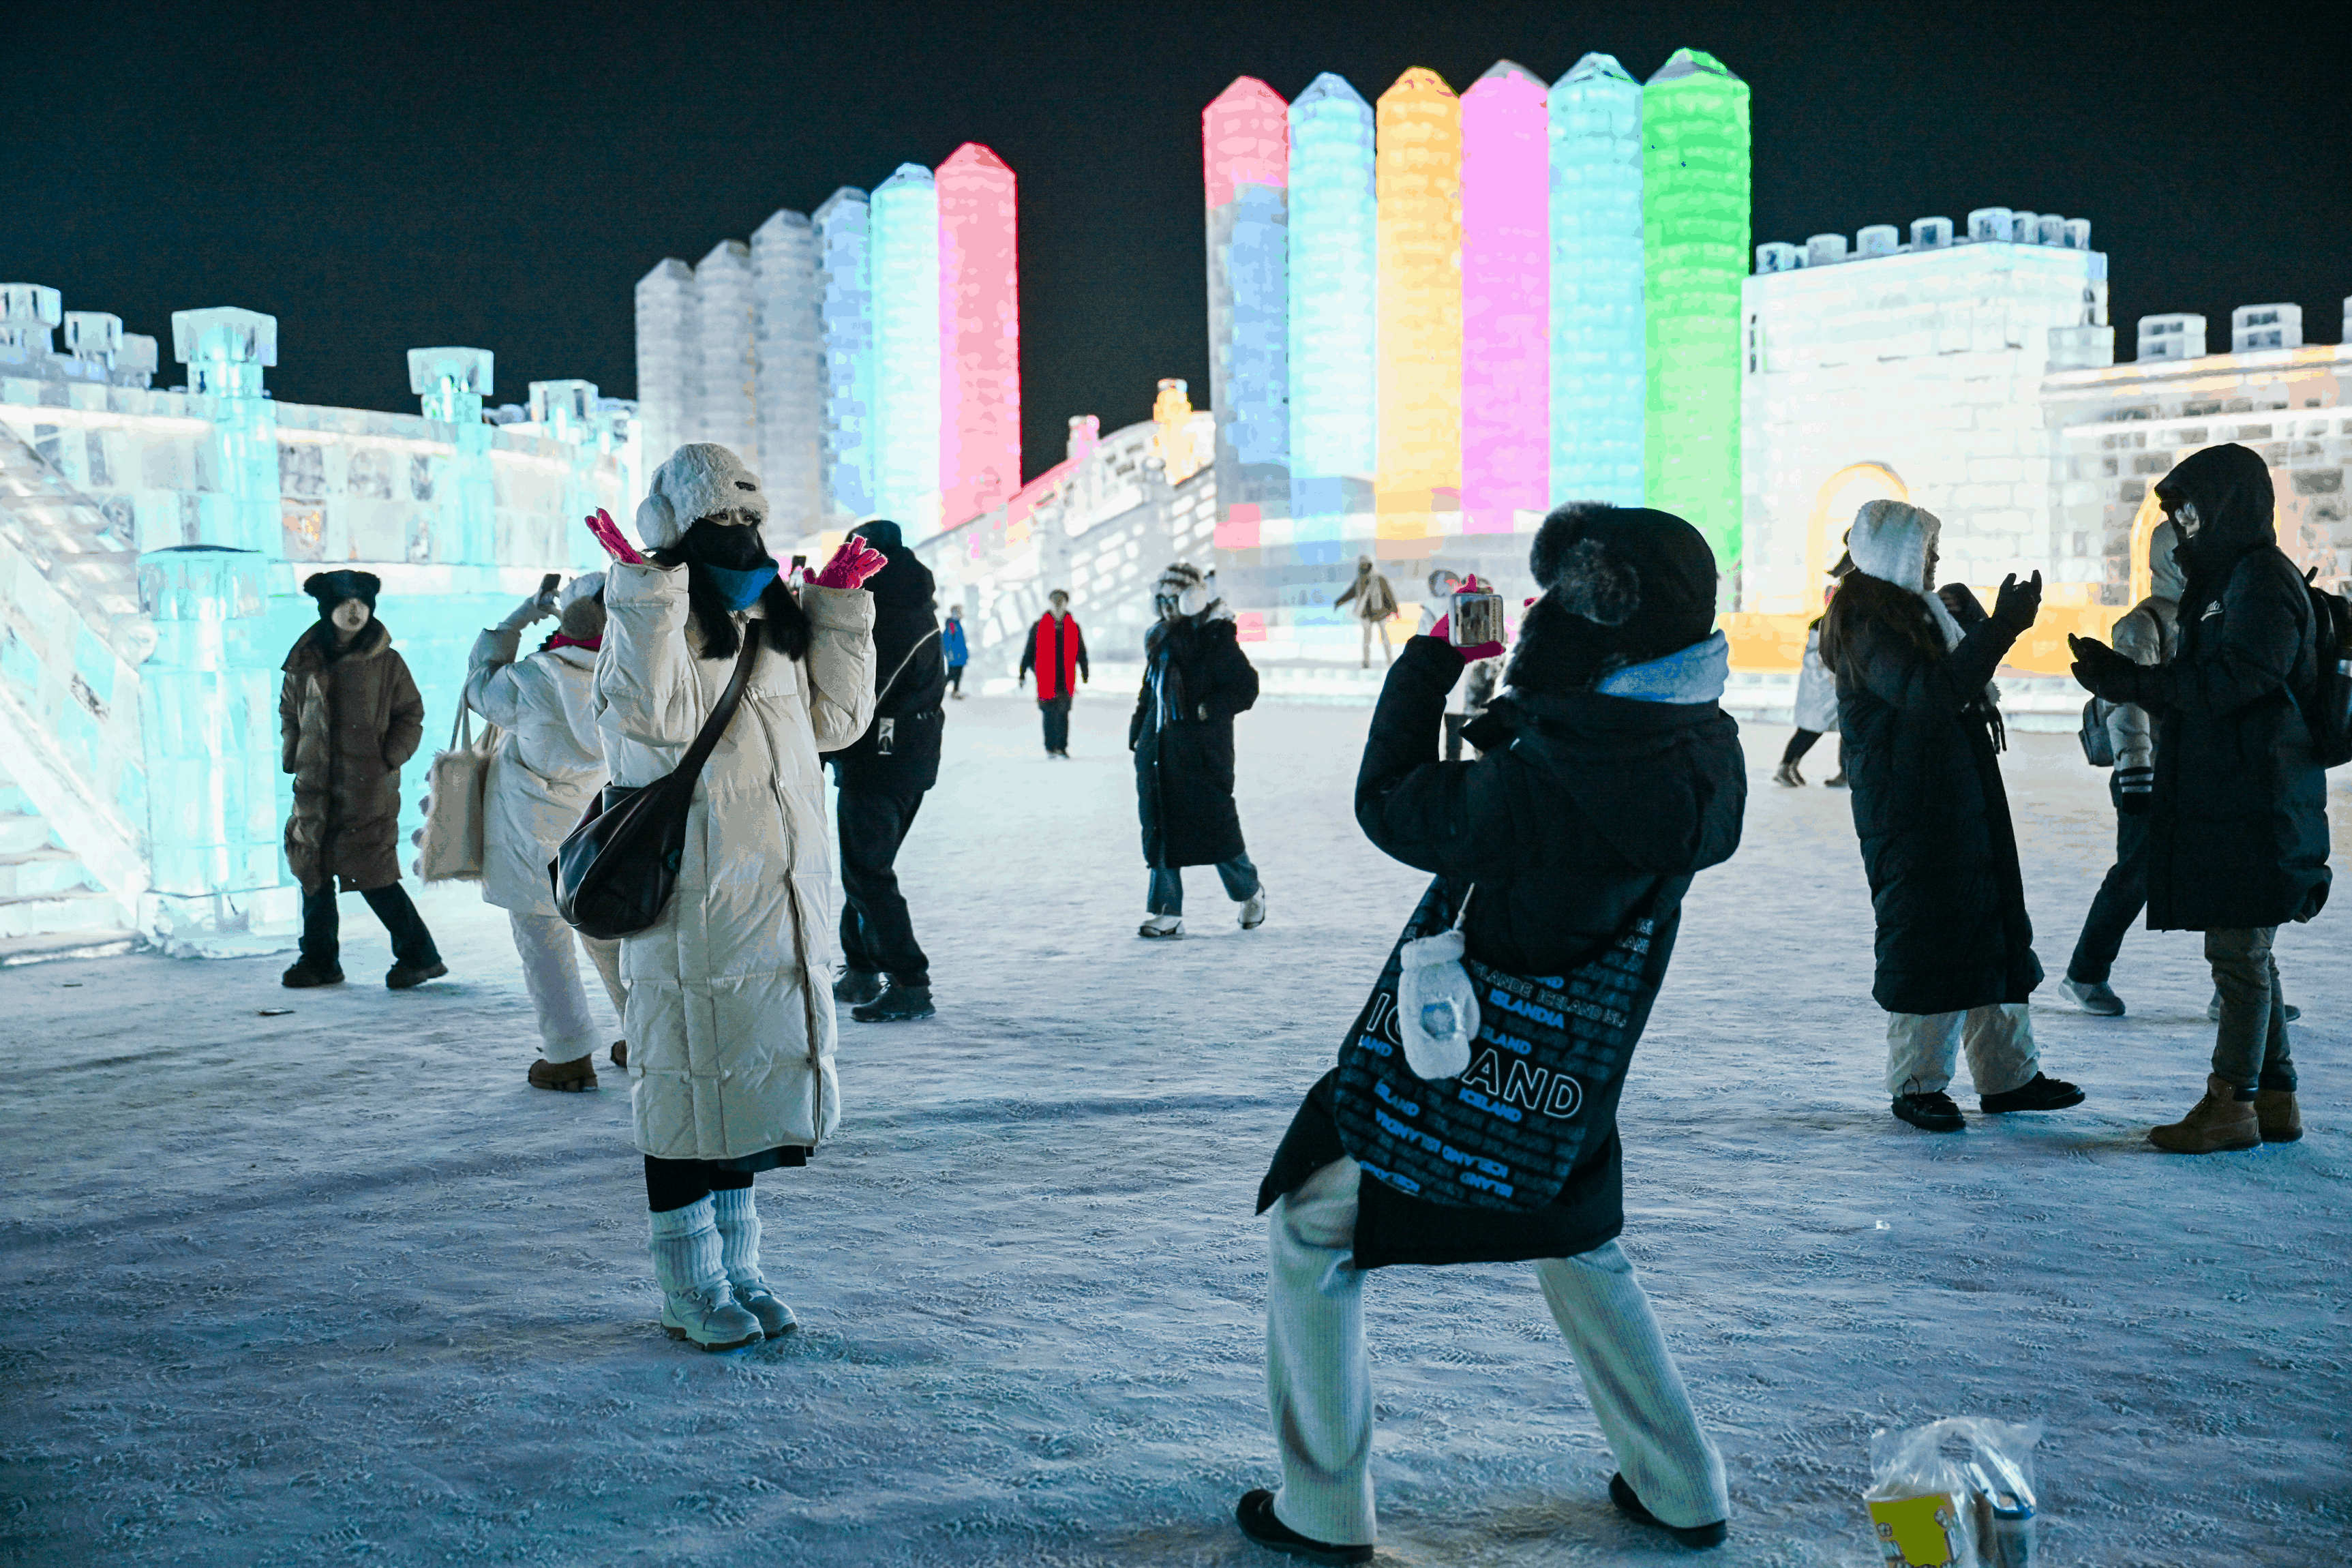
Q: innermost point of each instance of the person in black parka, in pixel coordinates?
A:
(2238, 829)
(1608, 776)
(1195, 679)
(883, 775)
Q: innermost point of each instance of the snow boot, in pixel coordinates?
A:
(305, 974)
(1252, 913)
(697, 1304)
(1161, 926)
(2093, 997)
(572, 1075)
(2276, 1114)
(2214, 1010)
(1930, 1112)
(1699, 1536)
(1257, 1517)
(2217, 1123)
(2036, 1093)
(409, 976)
(738, 1219)
(1836, 780)
(1787, 773)
(858, 987)
(897, 1004)
(620, 1054)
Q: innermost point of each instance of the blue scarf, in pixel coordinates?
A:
(741, 590)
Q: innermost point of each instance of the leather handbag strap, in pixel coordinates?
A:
(731, 699)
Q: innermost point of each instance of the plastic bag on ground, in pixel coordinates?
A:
(1956, 1493)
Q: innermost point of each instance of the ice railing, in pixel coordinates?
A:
(72, 638)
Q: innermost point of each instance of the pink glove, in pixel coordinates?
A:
(608, 534)
(854, 562)
(1484, 649)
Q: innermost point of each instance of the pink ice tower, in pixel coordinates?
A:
(1506, 300)
(1246, 164)
(980, 334)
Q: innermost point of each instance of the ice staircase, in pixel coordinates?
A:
(51, 906)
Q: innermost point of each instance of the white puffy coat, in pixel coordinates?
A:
(1817, 707)
(730, 1022)
(548, 764)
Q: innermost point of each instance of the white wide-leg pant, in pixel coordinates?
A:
(550, 972)
(1921, 1048)
(1319, 1379)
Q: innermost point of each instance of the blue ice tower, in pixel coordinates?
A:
(906, 271)
(1334, 357)
(1599, 355)
(845, 330)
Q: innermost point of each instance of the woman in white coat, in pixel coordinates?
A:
(730, 1019)
(548, 764)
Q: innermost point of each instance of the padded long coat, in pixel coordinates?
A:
(548, 764)
(731, 1020)
(345, 728)
(1937, 842)
(1184, 762)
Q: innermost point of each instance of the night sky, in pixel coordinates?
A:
(387, 176)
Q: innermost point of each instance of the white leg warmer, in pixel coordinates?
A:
(685, 1249)
(738, 1219)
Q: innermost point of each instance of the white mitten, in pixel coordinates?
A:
(1437, 1008)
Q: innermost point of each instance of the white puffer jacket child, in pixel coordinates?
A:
(730, 1018)
(548, 765)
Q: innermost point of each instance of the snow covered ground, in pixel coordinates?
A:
(337, 1286)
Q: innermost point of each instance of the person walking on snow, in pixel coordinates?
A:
(958, 652)
(1376, 605)
(1608, 777)
(883, 775)
(731, 1037)
(546, 766)
(1956, 960)
(1195, 679)
(1057, 650)
(2149, 633)
(348, 716)
(2237, 842)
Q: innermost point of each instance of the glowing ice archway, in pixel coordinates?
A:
(1839, 497)
(2143, 531)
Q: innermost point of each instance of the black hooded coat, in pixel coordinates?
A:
(2238, 834)
(910, 677)
(1195, 680)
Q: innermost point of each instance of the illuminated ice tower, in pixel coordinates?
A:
(1599, 358)
(1506, 300)
(1245, 159)
(906, 238)
(1419, 228)
(668, 350)
(786, 378)
(979, 333)
(1334, 365)
(1695, 221)
(725, 406)
(846, 316)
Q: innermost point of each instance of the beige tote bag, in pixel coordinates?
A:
(450, 845)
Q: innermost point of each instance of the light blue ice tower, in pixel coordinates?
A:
(906, 217)
(846, 311)
(1334, 357)
(1599, 386)
(225, 350)
(571, 412)
(452, 384)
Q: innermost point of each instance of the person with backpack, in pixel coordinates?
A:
(883, 775)
(1057, 650)
(2248, 715)
(1608, 777)
(958, 651)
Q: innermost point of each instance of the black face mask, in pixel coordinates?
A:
(735, 546)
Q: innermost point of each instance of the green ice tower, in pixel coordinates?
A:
(1694, 228)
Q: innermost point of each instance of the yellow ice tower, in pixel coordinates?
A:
(1419, 183)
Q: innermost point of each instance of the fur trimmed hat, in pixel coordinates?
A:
(1890, 540)
(1620, 585)
(331, 588)
(700, 480)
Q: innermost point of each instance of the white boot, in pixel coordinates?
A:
(1253, 911)
(1161, 926)
(696, 1302)
(738, 1219)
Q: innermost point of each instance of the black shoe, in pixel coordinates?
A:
(1930, 1112)
(897, 1004)
(1697, 1535)
(620, 1052)
(856, 985)
(1256, 1516)
(2038, 1093)
(305, 973)
(409, 976)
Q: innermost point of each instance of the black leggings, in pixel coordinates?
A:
(674, 1183)
(955, 676)
(1803, 741)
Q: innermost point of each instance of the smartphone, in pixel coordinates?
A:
(549, 583)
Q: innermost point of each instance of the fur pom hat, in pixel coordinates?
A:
(331, 588)
(700, 480)
(1620, 585)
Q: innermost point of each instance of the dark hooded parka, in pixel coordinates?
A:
(1195, 680)
(1921, 758)
(910, 676)
(2238, 835)
(347, 718)
(1583, 806)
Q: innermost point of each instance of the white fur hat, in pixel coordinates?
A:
(700, 480)
(1889, 540)
(587, 586)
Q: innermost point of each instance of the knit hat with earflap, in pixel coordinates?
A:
(1192, 589)
(581, 616)
(700, 480)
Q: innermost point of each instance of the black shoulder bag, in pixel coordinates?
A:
(615, 875)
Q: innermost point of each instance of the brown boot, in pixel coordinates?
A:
(2220, 1122)
(620, 1052)
(572, 1075)
(2275, 1109)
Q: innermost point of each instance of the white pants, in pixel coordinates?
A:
(550, 972)
(1378, 629)
(1921, 1048)
(1319, 1390)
